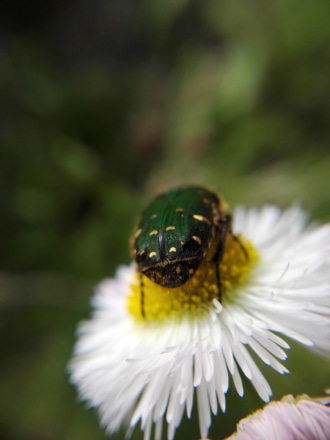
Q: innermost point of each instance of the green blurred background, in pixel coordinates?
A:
(105, 103)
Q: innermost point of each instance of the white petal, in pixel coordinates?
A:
(146, 372)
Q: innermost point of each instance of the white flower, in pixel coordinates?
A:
(149, 370)
(289, 419)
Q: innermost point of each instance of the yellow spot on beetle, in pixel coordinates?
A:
(201, 218)
(152, 254)
(169, 228)
(137, 233)
(172, 249)
(154, 232)
(199, 241)
(191, 271)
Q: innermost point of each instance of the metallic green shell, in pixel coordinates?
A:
(174, 233)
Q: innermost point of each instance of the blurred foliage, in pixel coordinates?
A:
(104, 104)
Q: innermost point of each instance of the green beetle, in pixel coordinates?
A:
(176, 232)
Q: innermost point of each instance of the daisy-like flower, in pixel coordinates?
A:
(302, 418)
(150, 367)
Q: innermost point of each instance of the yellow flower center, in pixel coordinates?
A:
(195, 295)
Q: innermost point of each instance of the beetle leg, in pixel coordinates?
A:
(225, 228)
(217, 272)
(240, 245)
(142, 296)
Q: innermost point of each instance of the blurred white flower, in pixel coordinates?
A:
(133, 369)
(289, 419)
